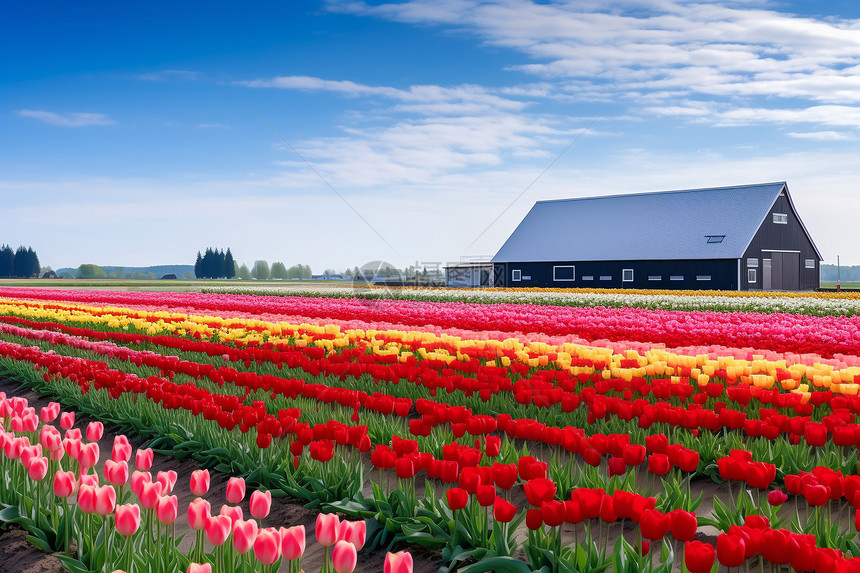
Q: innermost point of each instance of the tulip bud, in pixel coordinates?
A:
(127, 519)
(198, 511)
(67, 420)
(293, 540)
(244, 535)
(167, 508)
(260, 504)
(199, 482)
(235, 490)
(400, 562)
(95, 430)
(326, 528)
(344, 557)
(267, 546)
(64, 483)
(143, 459)
(218, 529)
(105, 500)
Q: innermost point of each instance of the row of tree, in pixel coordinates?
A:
(21, 263)
(215, 264)
(843, 273)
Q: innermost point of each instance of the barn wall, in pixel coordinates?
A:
(786, 237)
(723, 274)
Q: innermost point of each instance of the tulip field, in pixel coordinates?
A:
(500, 435)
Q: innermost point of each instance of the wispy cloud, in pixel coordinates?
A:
(820, 135)
(68, 119)
(168, 75)
(213, 126)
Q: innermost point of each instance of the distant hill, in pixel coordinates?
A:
(154, 272)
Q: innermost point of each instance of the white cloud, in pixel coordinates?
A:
(168, 75)
(213, 125)
(67, 120)
(820, 135)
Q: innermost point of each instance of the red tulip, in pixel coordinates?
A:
(534, 519)
(127, 519)
(816, 494)
(730, 550)
(504, 475)
(400, 562)
(633, 454)
(683, 525)
(699, 557)
(267, 546)
(344, 557)
(95, 431)
(552, 513)
(198, 511)
(293, 541)
(457, 498)
(654, 524)
(244, 535)
(143, 459)
(607, 509)
(199, 482)
(503, 510)
(218, 529)
(235, 490)
(486, 495)
(260, 503)
(776, 497)
(64, 483)
(326, 528)
(616, 466)
(658, 464)
(493, 446)
(167, 508)
(539, 490)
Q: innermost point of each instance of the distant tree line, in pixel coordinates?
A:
(215, 264)
(845, 273)
(21, 263)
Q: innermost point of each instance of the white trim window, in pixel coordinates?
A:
(676, 278)
(751, 276)
(780, 218)
(588, 277)
(516, 275)
(605, 277)
(564, 273)
(752, 263)
(655, 278)
(703, 277)
(627, 275)
(809, 263)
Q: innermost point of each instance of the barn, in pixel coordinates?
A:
(745, 237)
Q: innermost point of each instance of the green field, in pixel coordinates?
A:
(844, 285)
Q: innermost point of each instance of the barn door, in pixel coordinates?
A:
(499, 276)
(785, 271)
(766, 268)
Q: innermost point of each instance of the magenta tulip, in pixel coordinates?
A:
(344, 557)
(199, 482)
(260, 504)
(127, 519)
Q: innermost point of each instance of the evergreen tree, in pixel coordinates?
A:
(34, 262)
(229, 265)
(21, 264)
(6, 258)
(198, 266)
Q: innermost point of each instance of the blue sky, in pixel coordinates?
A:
(137, 135)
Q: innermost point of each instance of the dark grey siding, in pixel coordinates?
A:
(787, 268)
(723, 274)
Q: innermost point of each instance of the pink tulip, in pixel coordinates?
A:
(198, 511)
(149, 494)
(400, 562)
(73, 434)
(199, 482)
(326, 528)
(260, 504)
(30, 453)
(116, 472)
(218, 529)
(235, 490)
(143, 459)
(89, 455)
(72, 446)
(95, 430)
(105, 499)
(127, 519)
(167, 480)
(38, 468)
(354, 532)
(64, 483)
(244, 535)
(49, 413)
(29, 422)
(121, 451)
(67, 420)
(197, 568)
(344, 557)
(293, 541)
(50, 438)
(91, 480)
(234, 512)
(139, 478)
(14, 447)
(267, 546)
(167, 508)
(87, 498)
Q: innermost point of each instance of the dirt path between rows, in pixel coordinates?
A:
(17, 556)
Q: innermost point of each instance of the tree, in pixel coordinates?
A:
(229, 265)
(279, 271)
(198, 266)
(87, 271)
(7, 257)
(260, 270)
(243, 273)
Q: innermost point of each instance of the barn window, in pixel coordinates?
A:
(810, 263)
(703, 277)
(588, 277)
(605, 277)
(627, 276)
(676, 278)
(751, 275)
(655, 278)
(715, 238)
(752, 263)
(516, 275)
(564, 273)
(781, 218)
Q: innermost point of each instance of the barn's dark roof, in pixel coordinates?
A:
(672, 225)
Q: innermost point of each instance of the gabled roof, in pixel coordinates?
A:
(673, 225)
